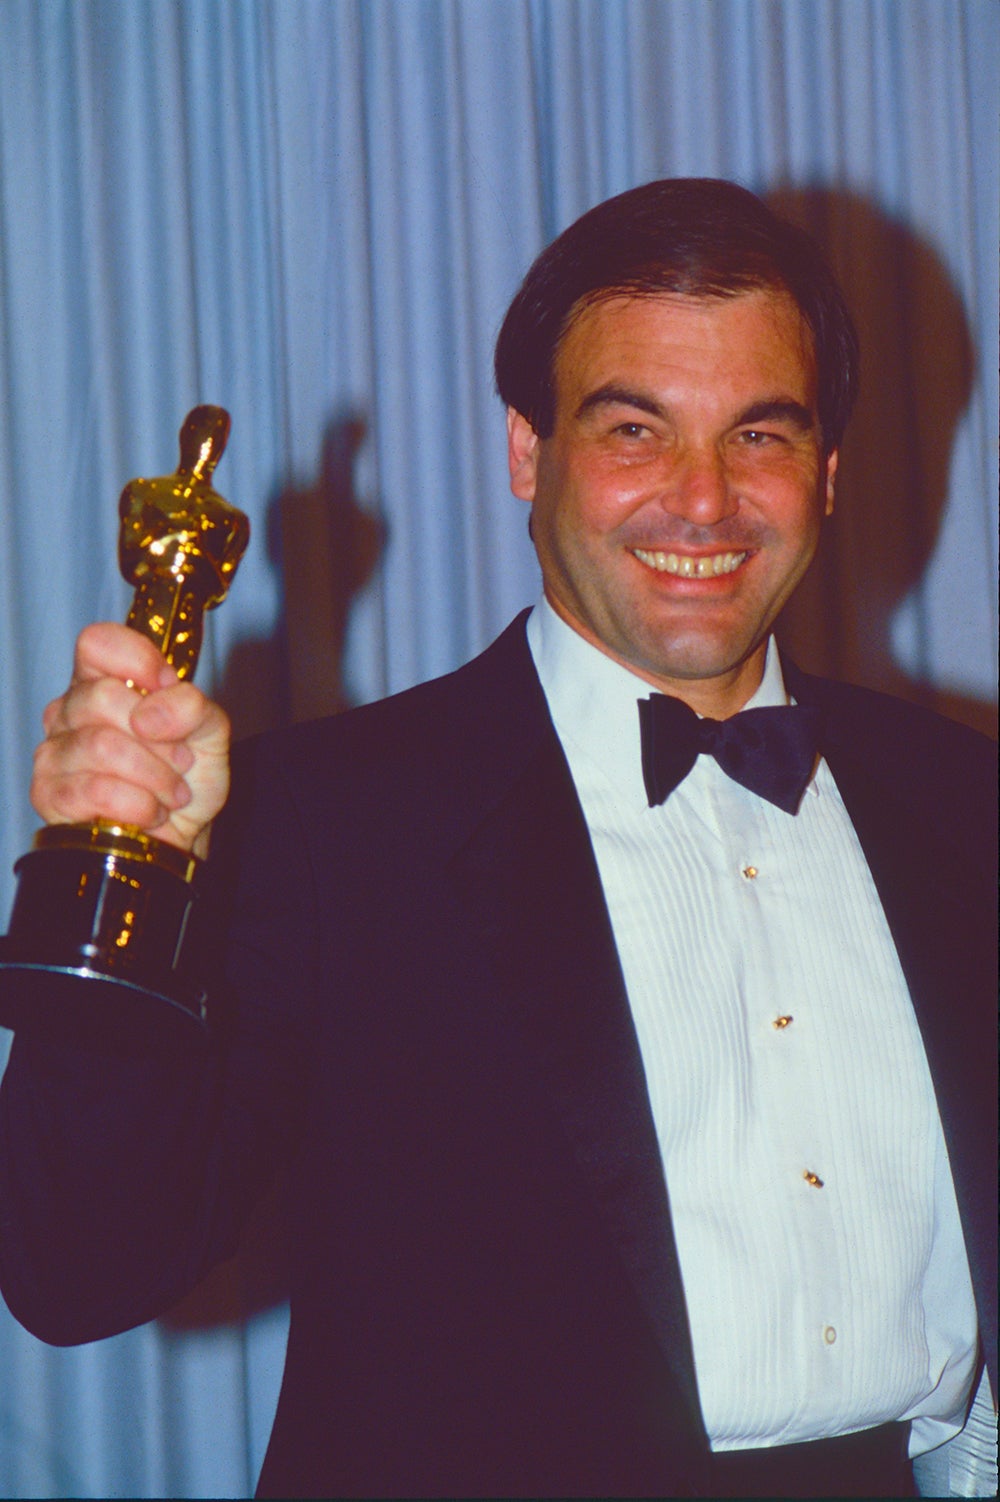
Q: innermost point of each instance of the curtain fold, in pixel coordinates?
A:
(314, 213)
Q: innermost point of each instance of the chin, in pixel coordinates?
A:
(698, 659)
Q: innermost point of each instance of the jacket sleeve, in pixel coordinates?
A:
(123, 1180)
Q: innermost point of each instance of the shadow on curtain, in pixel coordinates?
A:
(893, 480)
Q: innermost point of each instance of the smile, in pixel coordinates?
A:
(684, 566)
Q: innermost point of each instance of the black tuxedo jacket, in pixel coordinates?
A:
(430, 1033)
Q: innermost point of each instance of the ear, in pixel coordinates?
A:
(831, 471)
(522, 455)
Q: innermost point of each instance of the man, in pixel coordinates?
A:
(638, 1124)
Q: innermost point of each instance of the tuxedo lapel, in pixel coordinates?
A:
(529, 882)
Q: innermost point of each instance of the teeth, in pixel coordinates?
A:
(684, 566)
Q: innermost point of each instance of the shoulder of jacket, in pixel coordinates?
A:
(447, 722)
(868, 711)
(920, 757)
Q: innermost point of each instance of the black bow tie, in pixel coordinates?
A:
(770, 751)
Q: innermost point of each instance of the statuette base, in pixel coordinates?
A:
(108, 906)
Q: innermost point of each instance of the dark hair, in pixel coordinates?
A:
(700, 237)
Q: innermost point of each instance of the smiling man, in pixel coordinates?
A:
(619, 1006)
(678, 500)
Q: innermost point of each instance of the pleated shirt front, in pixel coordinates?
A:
(823, 1263)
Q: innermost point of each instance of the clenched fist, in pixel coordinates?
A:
(128, 742)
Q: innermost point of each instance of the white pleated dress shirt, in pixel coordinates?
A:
(824, 1269)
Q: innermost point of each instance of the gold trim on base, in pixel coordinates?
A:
(123, 841)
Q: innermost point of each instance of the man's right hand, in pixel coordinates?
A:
(130, 743)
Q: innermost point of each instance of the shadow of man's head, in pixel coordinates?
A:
(892, 485)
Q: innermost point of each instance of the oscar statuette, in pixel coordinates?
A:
(96, 947)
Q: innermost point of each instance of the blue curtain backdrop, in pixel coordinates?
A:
(314, 212)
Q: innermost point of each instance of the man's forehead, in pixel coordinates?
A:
(611, 305)
(626, 328)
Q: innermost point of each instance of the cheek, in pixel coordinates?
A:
(792, 503)
(800, 533)
(572, 506)
(599, 497)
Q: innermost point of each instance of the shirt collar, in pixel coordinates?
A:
(592, 698)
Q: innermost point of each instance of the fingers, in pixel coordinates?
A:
(111, 665)
(179, 714)
(91, 701)
(108, 650)
(99, 769)
(67, 796)
(130, 743)
(87, 714)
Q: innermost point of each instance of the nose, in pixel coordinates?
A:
(699, 488)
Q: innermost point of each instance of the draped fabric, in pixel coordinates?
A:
(314, 213)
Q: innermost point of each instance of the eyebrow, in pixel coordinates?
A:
(768, 409)
(778, 409)
(612, 395)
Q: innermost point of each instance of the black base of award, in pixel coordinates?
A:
(95, 951)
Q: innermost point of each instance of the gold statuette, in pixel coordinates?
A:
(180, 543)
(96, 948)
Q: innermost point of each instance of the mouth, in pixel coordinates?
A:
(687, 566)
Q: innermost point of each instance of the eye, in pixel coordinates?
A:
(757, 438)
(631, 430)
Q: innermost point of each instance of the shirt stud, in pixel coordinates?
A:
(782, 1022)
(750, 872)
(813, 1179)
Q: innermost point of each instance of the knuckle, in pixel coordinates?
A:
(77, 797)
(52, 713)
(186, 700)
(60, 800)
(87, 703)
(96, 790)
(91, 645)
(44, 755)
(103, 742)
(90, 638)
(42, 794)
(109, 699)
